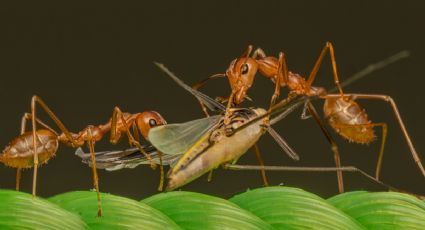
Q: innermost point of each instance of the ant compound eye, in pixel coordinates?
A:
(244, 68)
(152, 123)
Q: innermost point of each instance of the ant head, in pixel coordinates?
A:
(241, 73)
(147, 120)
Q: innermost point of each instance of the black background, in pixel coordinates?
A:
(84, 59)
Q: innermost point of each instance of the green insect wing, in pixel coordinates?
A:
(176, 139)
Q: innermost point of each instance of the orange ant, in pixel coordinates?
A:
(20, 152)
(341, 111)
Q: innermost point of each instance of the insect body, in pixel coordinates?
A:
(341, 110)
(30, 149)
(20, 153)
(350, 121)
(197, 146)
(191, 148)
(213, 148)
(206, 143)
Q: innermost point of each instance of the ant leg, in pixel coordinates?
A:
(228, 113)
(90, 144)
(260, 160)
(316, 67)
(210, 175)
(332, 142)
(135, 132)
(136, 136)
(201, 83)
(161, 172)
(114, 134)
(18, 178)
(400, 122)
(34, 145)
(381, 150)
(27, 116)
(281, 77)
(24, 119)
(388, 99)
(34, 100)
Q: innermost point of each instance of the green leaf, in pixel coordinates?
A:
(199, 211)
(382, 210)
(292, 208)
(21, 211)
(118, 212)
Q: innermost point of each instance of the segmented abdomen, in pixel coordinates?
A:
(19, 152)
(349, 120)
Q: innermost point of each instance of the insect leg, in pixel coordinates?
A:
(161, 172)
(228, 113)
(201, 83)
(318, 169)
(90, 144)
(381, 149)
(332, 142)
(210, 175)
(18, 178)
(316, 67)
(261, 162)
(34, 100)
(388, 99)
(117, 114)
(25, 118)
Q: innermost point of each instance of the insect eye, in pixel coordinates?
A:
(152, 123)
(244, 68)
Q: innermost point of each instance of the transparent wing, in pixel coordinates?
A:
(129, 158)
(212, 104)
(176, 139)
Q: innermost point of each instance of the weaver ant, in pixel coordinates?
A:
(36, 147)
(341, 110)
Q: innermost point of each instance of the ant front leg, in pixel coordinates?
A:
(228, 111)
(279, 78)
(316, 67)
(115, 134)
(406, 135)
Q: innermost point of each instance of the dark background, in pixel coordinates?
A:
(84, 59)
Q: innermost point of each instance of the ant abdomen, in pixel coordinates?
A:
(348, 119)
(19, 152)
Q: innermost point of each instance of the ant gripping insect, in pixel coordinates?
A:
(341, 110)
